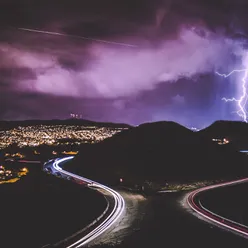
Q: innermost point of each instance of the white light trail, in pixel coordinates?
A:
(114, 216)
(76, 36)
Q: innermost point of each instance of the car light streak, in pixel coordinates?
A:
(119, 205)
(221, 217)
(213, 217)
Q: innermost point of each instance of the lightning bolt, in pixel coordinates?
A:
(241, 102)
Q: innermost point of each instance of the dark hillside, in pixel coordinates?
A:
(152, 133)
(235, 131)
(161, 152)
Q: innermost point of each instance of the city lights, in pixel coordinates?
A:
(33, 136)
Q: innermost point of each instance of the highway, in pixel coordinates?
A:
(110, 220)
(193, 200)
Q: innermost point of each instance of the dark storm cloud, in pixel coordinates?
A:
(112, 72)
(175, 40)
(14, 105)
(7, 74)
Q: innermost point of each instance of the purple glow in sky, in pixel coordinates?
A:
(123, 72)
(168, 75)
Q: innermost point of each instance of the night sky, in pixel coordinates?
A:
(166, 70)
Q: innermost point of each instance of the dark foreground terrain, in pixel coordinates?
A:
(167, 224)
(230, 202)
(42, 209)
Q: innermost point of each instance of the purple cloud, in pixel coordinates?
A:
(112, 72)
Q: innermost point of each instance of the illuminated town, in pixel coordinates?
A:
(11, 176)
(32, 136)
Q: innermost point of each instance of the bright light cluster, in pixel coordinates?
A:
(11, 176)
(221, 141)
(54, 134)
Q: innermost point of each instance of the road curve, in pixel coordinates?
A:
(119, 204)
(195, 204)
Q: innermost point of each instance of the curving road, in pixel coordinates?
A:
(110, 220)
(193, 200)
